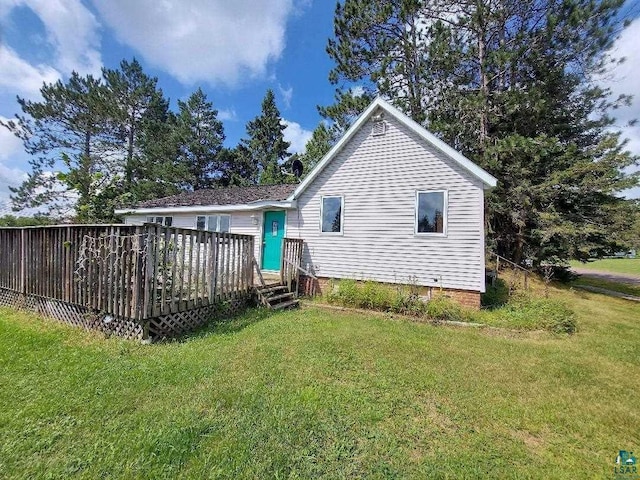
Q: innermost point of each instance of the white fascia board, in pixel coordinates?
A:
(247, 207)
(488, 180)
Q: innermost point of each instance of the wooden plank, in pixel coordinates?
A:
(155, 307)
(196, 269)
(23, 262)
(140, 266)
(117, 271)
(173, 307)
(183, 256)
(189, 272)
(148, 271)
(163, 269)
(213, 288)
(205, 255)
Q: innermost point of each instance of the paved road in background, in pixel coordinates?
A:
(610, 276)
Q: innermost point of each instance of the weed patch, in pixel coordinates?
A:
(520, 311)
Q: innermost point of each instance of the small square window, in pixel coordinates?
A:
(431, 212)
(331, 214)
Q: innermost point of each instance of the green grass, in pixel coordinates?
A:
(615, 265)
(316, 393)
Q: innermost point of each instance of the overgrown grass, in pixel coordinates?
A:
(615, 265)
(524, 311)
(312, 393)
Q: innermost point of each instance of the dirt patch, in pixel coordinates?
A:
(609, 276)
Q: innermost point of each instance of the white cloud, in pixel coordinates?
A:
(228, 114)
(18, 76)
(357, 91)
(297, 135)
(71, 32)
(10, 176)
(287, 95)
(623, 79)
(214, 41)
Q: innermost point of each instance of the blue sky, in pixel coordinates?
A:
(235, 50)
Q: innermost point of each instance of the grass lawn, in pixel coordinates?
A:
(312, 393)
(615, 265)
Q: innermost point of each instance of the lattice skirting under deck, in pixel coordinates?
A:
(73, 314)
(176, 324)
(157, 328)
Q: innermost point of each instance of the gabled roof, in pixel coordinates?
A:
(218, 199)
(487, 179)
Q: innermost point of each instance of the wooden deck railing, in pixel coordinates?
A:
(291, 262)
(135, 272)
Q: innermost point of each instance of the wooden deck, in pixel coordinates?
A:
(142, 282)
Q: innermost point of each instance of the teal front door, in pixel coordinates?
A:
(272, 240)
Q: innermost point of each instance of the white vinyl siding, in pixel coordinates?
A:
(379, 177)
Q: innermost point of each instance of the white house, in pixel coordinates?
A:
(390, 202)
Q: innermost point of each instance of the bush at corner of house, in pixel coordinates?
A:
(496, 295)
(441, 307)
(529, 312)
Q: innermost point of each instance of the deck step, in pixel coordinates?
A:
(276, 298)
(272, 289)
(283, 305)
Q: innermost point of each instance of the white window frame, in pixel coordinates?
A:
(445, 214)
(206, 222)
(153, 218)
(341, 197)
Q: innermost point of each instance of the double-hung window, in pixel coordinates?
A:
(331, 214)
(166, 221)
(431, 212)
(214, 223)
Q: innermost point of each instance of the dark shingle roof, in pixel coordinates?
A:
(223, 196)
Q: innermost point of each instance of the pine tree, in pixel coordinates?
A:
(69, 139)
(510, 84)
(318, 145)
(266, 147)
(200, 136)
(344, 111)
(237, 167)
(144, 123)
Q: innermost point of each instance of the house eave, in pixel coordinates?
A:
(246, 207)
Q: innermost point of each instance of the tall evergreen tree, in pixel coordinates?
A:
(266, 146)
(510, 84)
(199, 135)
(318, 145)
(68, 132)
(344, 111)
(237, 167)
(144, 123)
